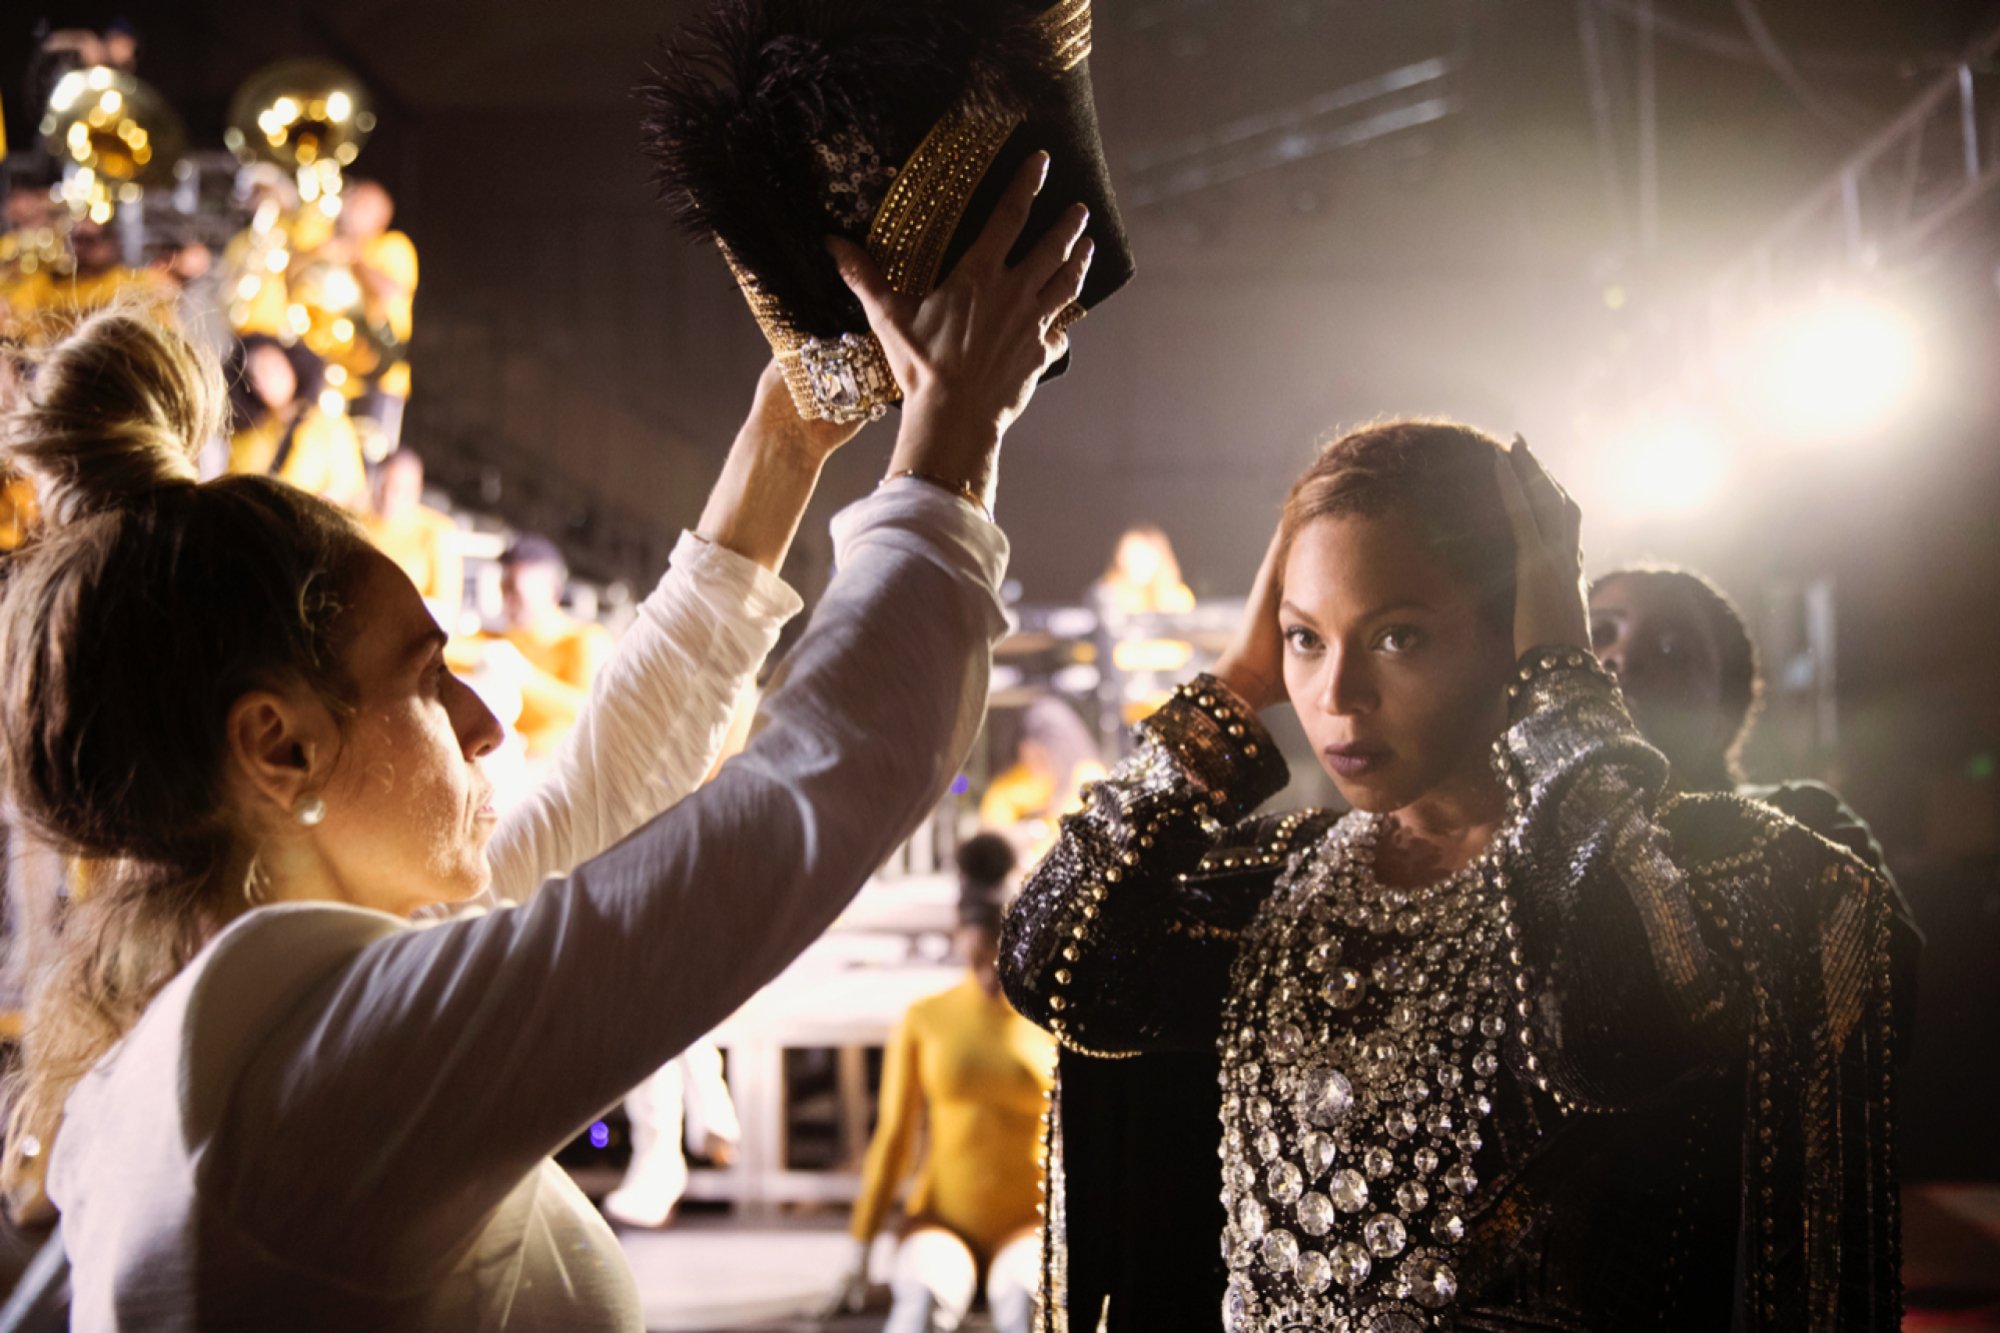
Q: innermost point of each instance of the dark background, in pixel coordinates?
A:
(574, 356)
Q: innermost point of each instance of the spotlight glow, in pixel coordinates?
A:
(1840, 370)
(1669, 466)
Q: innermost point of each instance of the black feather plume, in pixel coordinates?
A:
(742, 96)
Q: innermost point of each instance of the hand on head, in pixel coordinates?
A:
(1551, 607)
(1253, 665)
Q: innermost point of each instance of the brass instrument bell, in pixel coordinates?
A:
(115, 133)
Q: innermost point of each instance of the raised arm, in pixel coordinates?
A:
(1627, 995)
(660, 710)
(1122, 939)
(479, 1045)
(482, 1044)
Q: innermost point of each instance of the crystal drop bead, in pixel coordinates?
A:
(1378, 1162)
(1283, 1182)
(1260, 1110)
(1461, 1179)
(1431, 1282)
(1323, 956)
(1315, 1272)
(1426, 1160)
(1318, 1150)
(1462, 1024)
(1493, 1026)
(1315, 1214)
(1447, 1228)
(1268, 1145)
(1384, 1235)
(1449, 1078)
(1342, 988)
(1251, 1220)
(1348, 1191)
(1400, 1123)
(1325, 1096)
(1351, 1264)
(1389, 971)
(1287, 1041)
(1281, 1251)
(1412, 1196)
(1236, 1308)
(1437, 1121)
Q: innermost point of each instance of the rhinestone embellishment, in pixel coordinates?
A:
(1362, 1042)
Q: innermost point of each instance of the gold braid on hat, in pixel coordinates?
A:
(847, 378)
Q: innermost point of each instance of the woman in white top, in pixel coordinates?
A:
(266, 1098)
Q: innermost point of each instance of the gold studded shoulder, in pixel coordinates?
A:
(1261, 845)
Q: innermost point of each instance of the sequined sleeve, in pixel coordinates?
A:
(1121, 942)
(1625, 994)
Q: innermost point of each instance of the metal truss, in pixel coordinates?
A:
(1400, 99)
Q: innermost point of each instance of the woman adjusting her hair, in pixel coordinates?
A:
(1512, 1044)
(265, 1097)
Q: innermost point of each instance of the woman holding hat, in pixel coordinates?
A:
(265, 1097)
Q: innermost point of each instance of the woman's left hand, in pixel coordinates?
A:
(1550, 606)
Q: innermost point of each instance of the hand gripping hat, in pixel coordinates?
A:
(895, 123)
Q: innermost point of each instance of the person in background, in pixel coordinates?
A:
(686, 1100)
(17, 510)
(384, 263)
(423, 542)
(40, 305)
(562, 652)
(974, 1074)
(1144, 577)
(278, 427)
(1687, 664)
(1055, 756)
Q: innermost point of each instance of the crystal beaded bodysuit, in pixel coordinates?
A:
(1628, 1070)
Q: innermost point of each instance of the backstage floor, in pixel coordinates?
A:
(710, 1273)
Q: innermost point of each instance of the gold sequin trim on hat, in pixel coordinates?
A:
(848, 379)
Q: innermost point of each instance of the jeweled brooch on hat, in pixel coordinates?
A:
(895, 123)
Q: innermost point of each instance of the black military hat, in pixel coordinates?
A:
(895, 123)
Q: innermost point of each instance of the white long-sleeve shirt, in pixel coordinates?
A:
(336, 1119)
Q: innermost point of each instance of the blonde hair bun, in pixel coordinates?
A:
(115, 412)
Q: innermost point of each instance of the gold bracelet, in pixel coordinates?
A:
(962, 489)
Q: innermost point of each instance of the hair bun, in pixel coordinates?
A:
(115, 413)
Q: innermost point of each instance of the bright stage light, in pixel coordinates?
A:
(1841, 369)
(1668, 466)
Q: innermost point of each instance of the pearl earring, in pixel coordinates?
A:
(310, 812)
